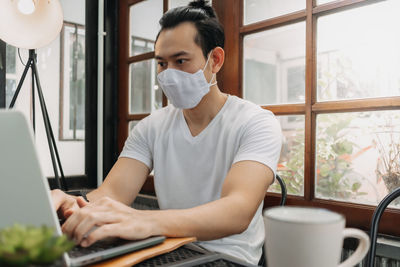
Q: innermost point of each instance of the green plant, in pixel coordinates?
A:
(291, 169)
(20, 245)
(334, 152)
(334, 158)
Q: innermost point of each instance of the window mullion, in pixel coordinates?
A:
(165, 5)
(357, 105)
(309, 142)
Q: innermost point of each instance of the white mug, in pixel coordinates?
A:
(309, 237)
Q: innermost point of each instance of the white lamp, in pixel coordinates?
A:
(32, 24)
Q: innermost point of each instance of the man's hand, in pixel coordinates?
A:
(106, 218)
(65, 204)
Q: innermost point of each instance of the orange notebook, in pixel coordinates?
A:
(133, 258)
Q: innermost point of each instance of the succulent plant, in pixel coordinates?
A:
(20, 245)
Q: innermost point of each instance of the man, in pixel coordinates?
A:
(213, 155)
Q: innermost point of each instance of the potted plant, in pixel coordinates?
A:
(22, 245)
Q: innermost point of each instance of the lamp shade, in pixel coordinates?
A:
(33, 30)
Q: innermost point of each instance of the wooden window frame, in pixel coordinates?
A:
(125, 60)
(231, 75)
(61, 136)
(230, 78)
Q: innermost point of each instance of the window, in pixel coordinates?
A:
(333, 83)
(72, 82)
(177, 3)
(331, 80)
(257, 10)
(139, 93)
(274, 60)
(11, 73)
(62, 69)
(2, 74)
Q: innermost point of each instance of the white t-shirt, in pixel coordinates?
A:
(190, 171)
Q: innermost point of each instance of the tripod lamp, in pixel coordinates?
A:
(32, 24)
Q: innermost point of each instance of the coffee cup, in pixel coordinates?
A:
(309, 237)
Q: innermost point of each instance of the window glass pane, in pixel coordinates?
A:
(358, 156)
(144, 25)
(11, 73)
(11, 86)
(73, 78)
(274, 65)
(10, 59)
(132, 125)
(291, 162)
(320, 2)
(50, 63)
(176, 3)
(256, 10)
(359, 58)
(145, 94)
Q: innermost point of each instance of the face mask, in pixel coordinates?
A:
(184, 90)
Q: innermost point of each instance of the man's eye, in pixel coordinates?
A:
(162, 64)
(181, 61)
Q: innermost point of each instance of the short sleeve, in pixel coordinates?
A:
(137, 144)
(261, 141)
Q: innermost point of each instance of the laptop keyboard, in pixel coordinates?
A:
(189, 256)
(101, 245)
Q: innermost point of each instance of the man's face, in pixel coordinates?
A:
(176, 49)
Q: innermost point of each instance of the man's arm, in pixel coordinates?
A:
(123, 182)
(242, 193)
(243, 190)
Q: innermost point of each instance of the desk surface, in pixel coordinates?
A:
(130, 259)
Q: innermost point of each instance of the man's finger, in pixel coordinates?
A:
(58, 198)
(104, 231)
(68, 213)
(72, 222)
(89, 223)
(81, 202)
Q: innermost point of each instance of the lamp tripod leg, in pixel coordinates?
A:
(33, 103)
(55, 158)
(49, 133)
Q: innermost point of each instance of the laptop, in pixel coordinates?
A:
(25, 193)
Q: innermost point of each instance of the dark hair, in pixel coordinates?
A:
(210, 32)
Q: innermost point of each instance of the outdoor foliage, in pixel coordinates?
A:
(342, 138)
(334, 160)
(335, 152)
(387, 142)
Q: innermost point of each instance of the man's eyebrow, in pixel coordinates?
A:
(178, 54)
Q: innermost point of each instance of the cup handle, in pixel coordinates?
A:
(361, 250)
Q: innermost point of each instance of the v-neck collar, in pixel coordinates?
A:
(185, 128)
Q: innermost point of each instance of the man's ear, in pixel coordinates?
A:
(218, 57)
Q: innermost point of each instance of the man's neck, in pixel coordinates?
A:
(199, 117)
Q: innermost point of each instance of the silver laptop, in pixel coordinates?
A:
(25, 194)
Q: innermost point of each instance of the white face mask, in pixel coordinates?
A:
(184, 90)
